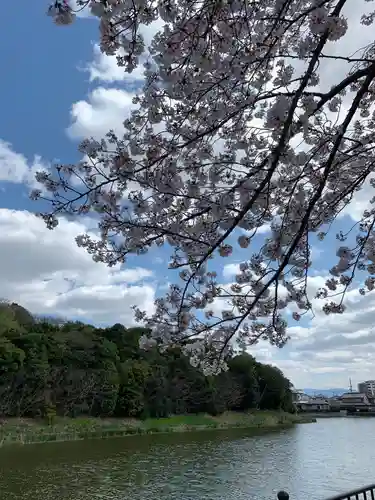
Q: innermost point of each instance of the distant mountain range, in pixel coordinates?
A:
(325, 392)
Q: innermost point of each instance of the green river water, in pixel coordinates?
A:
(310, 461)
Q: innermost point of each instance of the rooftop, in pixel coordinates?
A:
(356, 395)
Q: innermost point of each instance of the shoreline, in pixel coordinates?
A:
(28, 431)
(339, 415)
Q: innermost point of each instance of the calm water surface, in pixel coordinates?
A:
(310, 461)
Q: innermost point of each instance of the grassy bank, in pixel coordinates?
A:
(27, 431)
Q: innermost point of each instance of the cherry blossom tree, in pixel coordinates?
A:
(232, 131)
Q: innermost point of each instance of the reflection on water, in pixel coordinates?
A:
(310, 461)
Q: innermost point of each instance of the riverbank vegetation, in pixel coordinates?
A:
(52, 369)
(27, 431)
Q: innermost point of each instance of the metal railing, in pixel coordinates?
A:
(366, 493)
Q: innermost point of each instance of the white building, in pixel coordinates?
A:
(299, 396)
(367, 387)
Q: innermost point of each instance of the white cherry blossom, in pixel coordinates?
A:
(211, 151)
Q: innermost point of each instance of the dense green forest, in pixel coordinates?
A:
(76, 369)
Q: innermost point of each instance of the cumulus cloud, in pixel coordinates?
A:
(230, 270)
(103, 110)
(361, 201)
(330, 349)
(264, 229)
(323, 351)
(107, 108)
(46, 272)
(104, 68)
(15, 167)
(358, 37)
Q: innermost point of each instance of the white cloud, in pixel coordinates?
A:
(324, 351)
(107, 108)
(103, 110)
(105, 69)
(15, 168)
(357, 37)
(264, 229)
(331, 349)
(352, 44)
(46, 272)
(360, 201)
(230, 270)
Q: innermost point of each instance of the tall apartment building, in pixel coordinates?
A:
(367, 387)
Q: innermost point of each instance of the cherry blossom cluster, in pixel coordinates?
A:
(61, 12)
(228, 136)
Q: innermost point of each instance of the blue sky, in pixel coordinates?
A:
(57, 89)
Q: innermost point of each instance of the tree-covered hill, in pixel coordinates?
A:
(76, 369)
